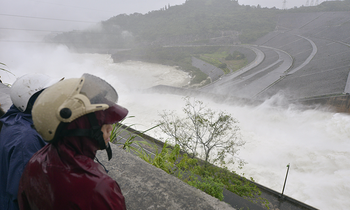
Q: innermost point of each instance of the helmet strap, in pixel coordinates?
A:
(96, 130)
(98, 134)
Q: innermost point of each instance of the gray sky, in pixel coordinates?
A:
(18, 14)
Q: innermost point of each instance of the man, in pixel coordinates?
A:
(75, 116)
(18, 139)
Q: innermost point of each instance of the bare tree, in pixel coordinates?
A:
(203, 132)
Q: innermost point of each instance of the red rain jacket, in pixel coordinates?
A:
(64, 176)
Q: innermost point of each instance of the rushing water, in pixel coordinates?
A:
(315, 142)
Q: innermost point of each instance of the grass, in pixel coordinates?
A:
(218, 59)
(192, 171)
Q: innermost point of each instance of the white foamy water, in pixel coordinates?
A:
(316, 143)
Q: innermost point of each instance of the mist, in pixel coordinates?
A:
(315, 142)
(280, 3)
(42, 17)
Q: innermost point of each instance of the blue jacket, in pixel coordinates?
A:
(18, 142)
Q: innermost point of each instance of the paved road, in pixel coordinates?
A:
(307, 61)
(251, 89)
(260, 56)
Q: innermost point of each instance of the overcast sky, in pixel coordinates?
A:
(58, 15)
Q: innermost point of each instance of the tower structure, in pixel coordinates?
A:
(307, 3)
(284, 4)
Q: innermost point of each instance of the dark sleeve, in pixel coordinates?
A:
(22, 200)
(1, 113)
(29, 143)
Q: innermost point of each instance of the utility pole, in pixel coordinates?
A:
(285, 180)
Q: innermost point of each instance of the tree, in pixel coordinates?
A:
(203, 132)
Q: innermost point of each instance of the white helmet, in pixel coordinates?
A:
(26, 86)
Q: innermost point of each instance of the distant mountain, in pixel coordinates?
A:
(195, 21)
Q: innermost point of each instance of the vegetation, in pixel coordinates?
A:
(180, 160)
(325, 6)
(194, 22)
(209, 179)
(182, 58)
(172, 56)
(152, 37)
(223, 59)
(203, 132)
(128, 143)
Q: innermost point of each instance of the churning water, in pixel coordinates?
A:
(315, 142)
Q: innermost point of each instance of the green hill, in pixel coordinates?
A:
(207, 25)
(195, 21)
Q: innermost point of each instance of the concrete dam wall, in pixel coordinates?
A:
(307, 56)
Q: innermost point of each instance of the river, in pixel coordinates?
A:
(315, 142)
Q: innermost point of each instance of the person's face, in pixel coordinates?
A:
(106, 130)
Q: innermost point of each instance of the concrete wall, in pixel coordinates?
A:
(147, 187)
(338, 103)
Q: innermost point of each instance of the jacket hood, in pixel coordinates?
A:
(14, 112)
(78, 145)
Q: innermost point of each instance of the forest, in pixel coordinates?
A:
(196, 22)
(174, 34)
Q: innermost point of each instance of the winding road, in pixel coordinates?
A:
(252, 79)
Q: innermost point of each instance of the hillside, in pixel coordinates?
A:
(306, 56)
(196, 21)
(299, 36)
